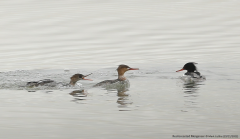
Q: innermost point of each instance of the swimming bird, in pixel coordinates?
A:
(121, 70)
(191, 70)
(74, 79)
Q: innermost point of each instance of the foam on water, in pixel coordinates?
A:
(17, 80)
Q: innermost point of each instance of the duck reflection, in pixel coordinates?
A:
(190, 95)
(78, 95)
(190, 88)
(123, 98)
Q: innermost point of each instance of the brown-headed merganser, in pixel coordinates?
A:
(191, 70)
(121, 70)
(74, 79)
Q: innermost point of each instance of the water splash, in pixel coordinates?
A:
(18, 80)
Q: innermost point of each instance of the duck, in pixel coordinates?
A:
(121, 70)
(191, 70)
(73, 81)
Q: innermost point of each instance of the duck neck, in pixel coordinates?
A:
(191, 70)
(72, 83)
(121, 77)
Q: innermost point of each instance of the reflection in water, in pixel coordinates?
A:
(123, 98)
(191, 94)
(190, 88)
(78, 95)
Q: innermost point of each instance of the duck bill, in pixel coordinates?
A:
(133, 69)
(180, 70)
(87, 79)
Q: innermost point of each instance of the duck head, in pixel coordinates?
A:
(122, 69)
(190, 67)
(77, 77)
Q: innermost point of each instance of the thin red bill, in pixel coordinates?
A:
(133, 69)
(87, 79)
(180, 70)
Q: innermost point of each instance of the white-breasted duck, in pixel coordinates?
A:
(121, 70)
(191, 70)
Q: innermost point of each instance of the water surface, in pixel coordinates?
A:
(54, 40)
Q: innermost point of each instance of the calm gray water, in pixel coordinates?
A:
(56, 39)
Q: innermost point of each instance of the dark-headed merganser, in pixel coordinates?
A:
(121, 70)
(74, 79)
(191, 70)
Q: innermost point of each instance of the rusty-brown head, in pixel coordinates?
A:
(77, 77)
(123, 68)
